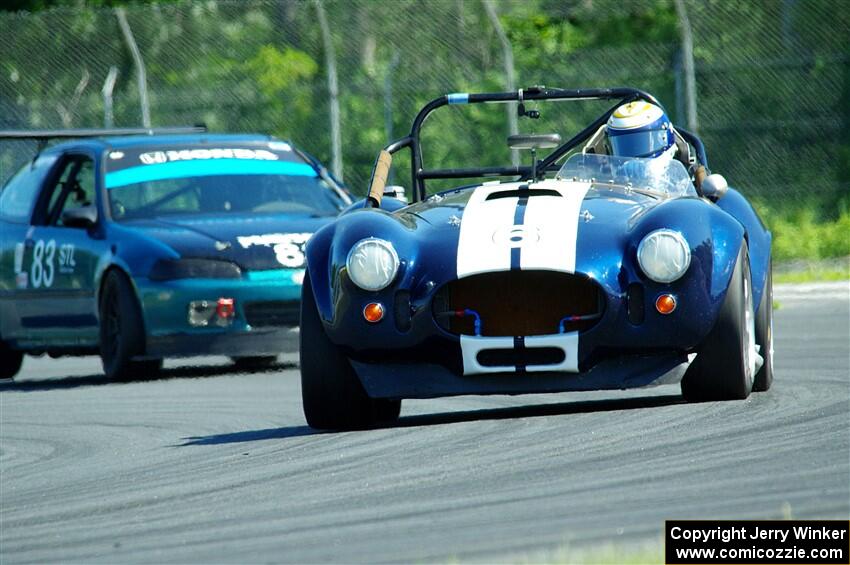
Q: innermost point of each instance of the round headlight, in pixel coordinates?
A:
(664, 255)
(372, 263)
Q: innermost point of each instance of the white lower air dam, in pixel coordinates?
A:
(470, 346)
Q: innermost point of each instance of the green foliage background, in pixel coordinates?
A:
(773, 80)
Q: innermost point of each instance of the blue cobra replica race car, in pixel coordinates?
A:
(580, 271)
(152, 245)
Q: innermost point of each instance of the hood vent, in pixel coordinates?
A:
(528, 193)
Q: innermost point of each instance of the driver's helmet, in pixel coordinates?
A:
(640, 129)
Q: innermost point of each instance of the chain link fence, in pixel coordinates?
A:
(773, 78)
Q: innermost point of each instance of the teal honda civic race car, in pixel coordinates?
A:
(143, 244)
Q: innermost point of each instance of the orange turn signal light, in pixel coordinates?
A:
(373, 312)
(665, 303)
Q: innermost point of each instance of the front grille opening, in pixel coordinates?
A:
(273, 313)
(521, 357)
(518, 303)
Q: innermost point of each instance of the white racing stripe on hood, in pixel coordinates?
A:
(476, 250)
(556, 220)
(547, 237)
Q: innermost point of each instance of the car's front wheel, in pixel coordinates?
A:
(764, 334)
(331, 393)
(725, 363)
(10, 361)
(122, 333)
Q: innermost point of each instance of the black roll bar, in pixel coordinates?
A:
(622, 95)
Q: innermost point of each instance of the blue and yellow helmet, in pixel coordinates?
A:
(639, 129)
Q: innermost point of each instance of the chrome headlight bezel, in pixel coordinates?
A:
(379, 281)
(665, 274)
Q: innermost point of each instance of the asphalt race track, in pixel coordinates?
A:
(207, 466)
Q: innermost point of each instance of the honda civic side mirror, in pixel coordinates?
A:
(84, 217)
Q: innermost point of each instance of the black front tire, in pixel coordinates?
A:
(723, 368)
(764, 334)
(331, 393)
(122, 334)
(10, 361)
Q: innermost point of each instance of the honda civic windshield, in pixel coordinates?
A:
(213, 180)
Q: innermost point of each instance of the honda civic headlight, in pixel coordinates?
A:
(192, 268)
(372, 263)
(664, 255)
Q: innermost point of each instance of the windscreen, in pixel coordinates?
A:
(268, 178)
(662, 176)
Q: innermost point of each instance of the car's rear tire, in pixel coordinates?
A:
(331, 393)
(122, 333)
(254, 362)
(724, 366)
(10, 361)
(764, 334)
